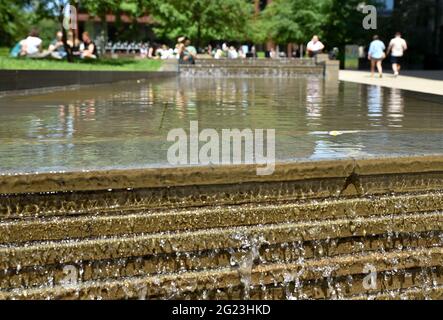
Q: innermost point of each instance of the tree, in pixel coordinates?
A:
(343, 23)
(12, 21)
(202, 20)
(287, 21)
(337, 22)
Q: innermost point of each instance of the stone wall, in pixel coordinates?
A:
(280, 68)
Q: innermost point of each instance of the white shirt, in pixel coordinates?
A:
(218, 54)
(233, 54)
(33, 45)
(398, 47)
(317, 46)
(167, 54)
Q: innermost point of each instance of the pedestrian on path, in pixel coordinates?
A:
(397, 48)
(376, 55)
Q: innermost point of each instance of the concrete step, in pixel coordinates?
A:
(256, 251)
(223, 232)
(240, 281)
(92, 225)
(44, 253)
(113, 192)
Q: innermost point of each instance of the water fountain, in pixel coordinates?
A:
(252, 68)
(308, 231)
(90, 209)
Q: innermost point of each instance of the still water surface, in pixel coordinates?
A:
(125, 125)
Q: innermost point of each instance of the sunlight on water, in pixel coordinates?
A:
(125, 125)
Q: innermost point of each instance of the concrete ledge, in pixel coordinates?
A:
(280, 68)
(210, 230)
(264, 275)
(256, 62)
(219, 175)
(332, 70)
(108, 224)
(16, 80)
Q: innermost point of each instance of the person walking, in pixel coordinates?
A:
(397, 48)
(376, 55)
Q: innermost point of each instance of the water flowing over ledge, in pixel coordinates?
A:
(270, 68)
(311, 230)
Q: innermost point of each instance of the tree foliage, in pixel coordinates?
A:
(343, 22)
(287, 21)
(338, 22)
(12, 21)
(102, 7)
(202, 20)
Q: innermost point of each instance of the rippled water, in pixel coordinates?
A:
(126, 125)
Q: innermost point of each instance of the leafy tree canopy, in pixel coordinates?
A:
(343, 22)
(12, 20)
(338, 22)
(290, 21)
(202, 20)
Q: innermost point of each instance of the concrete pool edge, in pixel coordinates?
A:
(12, 81)
(216, 175)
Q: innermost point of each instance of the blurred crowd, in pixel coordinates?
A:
(32, 47)
(184, 51)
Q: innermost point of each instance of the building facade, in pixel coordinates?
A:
(421, 23)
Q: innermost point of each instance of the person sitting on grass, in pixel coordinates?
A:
(232, 53)
(166, 52)
(57, 47)
(89, 50)
(31, 46)
(73, 44)
(143, 51)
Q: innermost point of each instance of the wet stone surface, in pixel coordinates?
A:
(313, 230)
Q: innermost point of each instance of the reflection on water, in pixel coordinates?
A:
(395, 108)
(125, 125)
(375, 105)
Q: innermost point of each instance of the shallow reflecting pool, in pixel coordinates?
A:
(126, 125)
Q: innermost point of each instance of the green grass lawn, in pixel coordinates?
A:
(103, 64)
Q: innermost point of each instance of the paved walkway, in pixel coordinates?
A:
(418, 81)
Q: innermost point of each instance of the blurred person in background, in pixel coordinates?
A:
(73, 44)
(32, 45)
(315, 46)
(186, 52)
(376, 55)
(397, 48)
(57, 47)
(89, 48)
